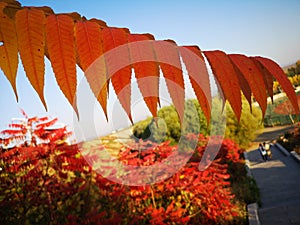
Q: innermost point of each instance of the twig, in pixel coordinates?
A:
(152, 196)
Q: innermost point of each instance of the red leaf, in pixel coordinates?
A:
(88, 42)
(254, 78)
(170, 208)
(24, 113)
(61, 48)
(197, 71)
(245, 88)
(282, 79)
(146, 69)
(32, 120)
(16, 125)
(47, 124)
(89, 47)
(168, 57)
(227, 78)
(12, 132)
(118, 64)
(268, 78)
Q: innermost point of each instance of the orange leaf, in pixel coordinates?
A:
(88, 42)
(197, 71)
(47, 10)
(61, 48)
(282, 79)
(8, 48)
(74, 15)
(118, 64)
(227, 78)
(100, 22)
(146, 69)
(11, 8)
(89, 47)
(30, 24)
(254, 78)
(169, 60)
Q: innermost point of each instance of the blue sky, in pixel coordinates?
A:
(267, 28)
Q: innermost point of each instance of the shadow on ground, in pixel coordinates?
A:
(272, 133)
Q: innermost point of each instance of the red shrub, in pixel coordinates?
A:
(50, 183)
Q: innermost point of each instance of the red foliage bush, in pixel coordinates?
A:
(189, 195)
(33, 131)
(56, 185)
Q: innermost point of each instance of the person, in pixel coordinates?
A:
(268, 150)
(262, 152)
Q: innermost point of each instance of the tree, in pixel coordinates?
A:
(286, 108)
(33, 131)
(294, 70)
(168, 127)
(245, 130)
(66, 40)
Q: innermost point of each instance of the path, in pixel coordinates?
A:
(272, 133)
(279, 183)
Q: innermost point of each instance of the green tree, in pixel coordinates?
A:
(245, 131)
(294, 70)
(167, 127)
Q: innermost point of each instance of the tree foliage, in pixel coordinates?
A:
(66, 40)
(294, 70)
(293, 74)
(245, 130)
(285, 108)
(168, 125)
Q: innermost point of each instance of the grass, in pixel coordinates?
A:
(244, 187)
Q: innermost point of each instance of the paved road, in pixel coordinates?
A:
(279, 184)
(272, 133)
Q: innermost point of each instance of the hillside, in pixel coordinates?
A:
(285, 68)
